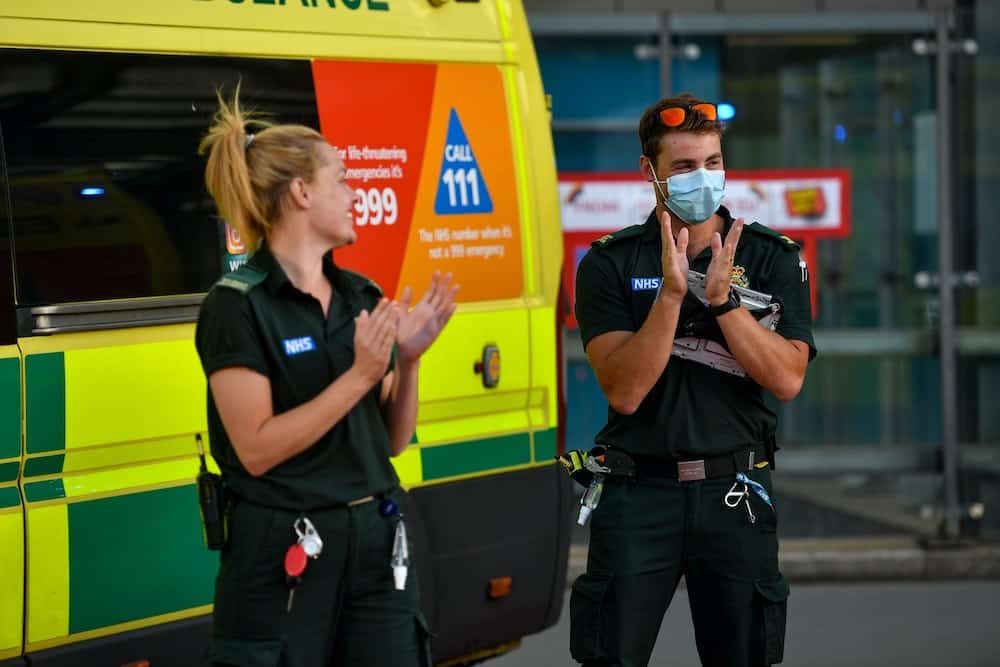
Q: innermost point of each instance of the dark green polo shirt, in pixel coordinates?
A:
(692, 410)
(256, 318)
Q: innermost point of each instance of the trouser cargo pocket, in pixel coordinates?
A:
(588, 617)
(772, 606)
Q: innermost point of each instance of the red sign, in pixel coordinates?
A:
(805, 204)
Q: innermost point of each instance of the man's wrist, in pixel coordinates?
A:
(672, 299)
(669, 296)
(732, 302)
(715, 302)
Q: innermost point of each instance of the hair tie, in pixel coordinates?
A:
(248, 141)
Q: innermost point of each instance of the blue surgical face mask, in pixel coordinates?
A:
(694, 195)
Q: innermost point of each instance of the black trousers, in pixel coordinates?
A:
(646, 535)
(345, 612)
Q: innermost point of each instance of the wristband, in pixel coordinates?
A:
(731, 304)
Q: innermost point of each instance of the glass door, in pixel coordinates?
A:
(861, 444)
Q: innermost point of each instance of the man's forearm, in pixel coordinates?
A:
(631, 370)
(771, 360)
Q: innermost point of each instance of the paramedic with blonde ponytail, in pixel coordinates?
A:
(312, 387)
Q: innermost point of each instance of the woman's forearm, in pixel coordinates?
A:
(401, 411)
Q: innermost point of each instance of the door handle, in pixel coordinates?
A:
(489, 366)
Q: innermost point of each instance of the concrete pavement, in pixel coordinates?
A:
(897, 624)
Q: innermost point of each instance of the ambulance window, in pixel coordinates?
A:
(107, 195)
(8, 315)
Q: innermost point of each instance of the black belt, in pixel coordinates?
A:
(711, 467)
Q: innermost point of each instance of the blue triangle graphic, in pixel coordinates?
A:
(461, 186)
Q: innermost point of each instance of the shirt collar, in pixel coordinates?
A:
(264, 261)
(653, 225)
(276, 279)
(727, 220)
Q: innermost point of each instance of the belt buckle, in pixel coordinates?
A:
(691, 471)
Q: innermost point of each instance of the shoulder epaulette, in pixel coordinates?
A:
(365, 281)
(242, 279)
(621, 234)
(763, 230)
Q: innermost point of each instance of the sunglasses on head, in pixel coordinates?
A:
(674, 116)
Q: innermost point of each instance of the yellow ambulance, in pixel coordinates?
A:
(109, 242)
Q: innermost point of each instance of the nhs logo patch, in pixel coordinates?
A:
(643, 284)
(299, 345)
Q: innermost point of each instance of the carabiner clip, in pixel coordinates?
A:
(733, 497)
(308, 537)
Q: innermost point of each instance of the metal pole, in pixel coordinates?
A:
(946, 289)
(666, 55)
(890, 83)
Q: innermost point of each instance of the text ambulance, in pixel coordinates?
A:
(109, 243)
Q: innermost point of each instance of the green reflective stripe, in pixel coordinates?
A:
(464, 458)
(9, 497)
(135, 556)
(48, 490)
(45, 386)
(8, 471)
(10, 408)
(545, 445)
(44, 465)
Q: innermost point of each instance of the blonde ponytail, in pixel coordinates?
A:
(248, 174)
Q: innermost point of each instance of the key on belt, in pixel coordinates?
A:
(308, 545)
